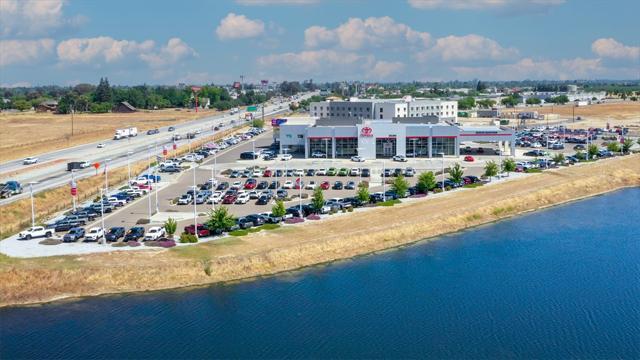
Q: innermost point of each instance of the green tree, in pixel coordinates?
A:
(562, 99)
(170, 226)
(510, 101)
(486, 103)
(509, 165)
(21, 105)
(533, 101)
(467, 103)
(426, 182)
(580, 155)
(103, 92)
(592, 151)
(257, 123)
(278, 210)
(400, 186)
(558, 158)
(613, 146)
(363, 192)
(627, 144)
(456, 173)
(490, 169)
(317, 201)
(220, 219)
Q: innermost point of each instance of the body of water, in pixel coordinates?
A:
(561, 283)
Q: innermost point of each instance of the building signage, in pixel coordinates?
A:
(277, 122)
(366, 132)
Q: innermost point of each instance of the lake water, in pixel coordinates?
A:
(561, 283)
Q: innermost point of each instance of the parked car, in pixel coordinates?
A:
(185, 199)
(274, 185)
(154, 233)
(325, 185)
(242, 198)
(229, 199)
(354, 172)
(222, 186)
(311, 185)
(281, 194)
(134, 233)
(256, 219)
(286, 157)
(343, 172)
(244, 223)
(115, 233)
(332, 172)
(409, 172)
(73, 235)
(351, 185)
(263, 200)
(469, 158)
(203, 231)
(365, 172)
(94, 234)
(321, 172)
(400, 158)
(288, 184)
(337, 185)
(318, 154)
(35, 232)
(357, 158)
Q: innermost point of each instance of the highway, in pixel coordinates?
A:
(51, 170)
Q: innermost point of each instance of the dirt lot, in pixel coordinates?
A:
(31, 133)
(288, 248)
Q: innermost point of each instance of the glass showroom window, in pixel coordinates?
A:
(421, 146)
(322, 145)
(444, 145)
(385, 148)
(346, 147)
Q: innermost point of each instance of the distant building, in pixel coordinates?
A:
(385, 108)
(124, 107)
(47, 106)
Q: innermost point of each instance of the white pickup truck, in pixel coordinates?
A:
(116, 202)
(154, 233)
(34, 232)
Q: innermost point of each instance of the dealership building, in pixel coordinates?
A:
(343, 136)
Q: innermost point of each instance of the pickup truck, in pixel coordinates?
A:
(34, 232)
(154, 233)
(116, 202)
(9, 189)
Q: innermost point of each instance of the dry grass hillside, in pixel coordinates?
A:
(339, 237)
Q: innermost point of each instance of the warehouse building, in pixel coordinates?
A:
(419, 136)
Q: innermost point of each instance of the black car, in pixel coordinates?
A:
(76, 219)
(222, 186)
(279, 173)
(257, 220)
(355, 202)
(153, 131)
(311, 172)
(171, 128)
(365, 173)
(262, 185)
(294, 211)
(64, 225)
(74, 234)
(248, 155)
(85, 214)
(263, 200)
(337, 185)
(281, 194)
(377, 197)
(135, 233)
(274, 185)
(115, 233)
(398, 172)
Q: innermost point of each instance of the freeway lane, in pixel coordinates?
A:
(54, 174)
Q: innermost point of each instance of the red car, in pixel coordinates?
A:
(267, 173)
(202, 230)
(250, 184)
(325, 185)
(144, 187)
(469, 158)
(229, 199)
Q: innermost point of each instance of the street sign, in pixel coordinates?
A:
(164, 151)
(96, 165)
(252, 108)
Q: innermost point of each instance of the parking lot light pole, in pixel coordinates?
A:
(384, 182)
(106, 176)
(442, 155)
(33, 208)
(359, 168)
(155, 182)
(73, 183)
(148, 171)
(104, 239)
(300, 192)
(195, 205)
(129, 166)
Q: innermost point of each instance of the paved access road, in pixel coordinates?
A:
(54, 174)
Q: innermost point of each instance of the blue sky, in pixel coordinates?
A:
(166, 42)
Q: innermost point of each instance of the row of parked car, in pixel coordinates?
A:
(332, 171)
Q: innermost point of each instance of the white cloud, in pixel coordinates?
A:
(467, 48)
(485, 4)
(24, 51)
(175, 51)
(275, 2)
(610, 48)
(239, 27)
(16, 85)
(385, 69)
(311, 61)
(103, 48)
(33, 17)
(357, 33)
(527, 68)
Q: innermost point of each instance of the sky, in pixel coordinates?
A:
(66, 42)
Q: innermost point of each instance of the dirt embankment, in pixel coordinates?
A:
(340, 237)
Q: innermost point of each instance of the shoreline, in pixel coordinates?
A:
(298, 248)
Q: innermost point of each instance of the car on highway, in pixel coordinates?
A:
(134, 234)
(29, 160)
(115, 233)
(357, 158)
(94, 234)
(153, 131)
(35, 232)
(469, 158)
(154, 233)
(171, 128)
(73, 235)
(400, 158)
(9, 189)
(100, 145)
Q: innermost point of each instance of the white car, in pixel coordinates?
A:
(354, 172)
(116, 202)
(254, 194)
(139, 181)
(34, 232)
(168, 164)
(536, 145)
(185, 199)
(154, 233)
(400, 158)
(257, 173)
(286, 157)
(298, 172)
(134, 192)
(318, 154)
(215, 198)
(213, 182)
(242, 198)
(288, 184)
(321, 172)
(30, 160)
(311, 185)
(236, 185)
(100, 146)
(357, 158)
(94, 234)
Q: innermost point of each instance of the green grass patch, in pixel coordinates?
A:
(502, 210)
(474, 185)
(239, 232)
(473, 217)
(533, 170)
(388, 202)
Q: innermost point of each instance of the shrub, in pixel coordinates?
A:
(437, 190)
(350, 209)
(143, 221)
(447, 188)
(188, 238)
(294, 220)
(133, 243)
(313, 217)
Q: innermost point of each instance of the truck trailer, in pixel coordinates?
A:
(125, 133)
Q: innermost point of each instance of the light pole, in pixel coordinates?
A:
(129, 166)
(195, 205)
(106, 176)
(155, 182)
(149, 171)
(442, 155)
(73, 185)
(33, 208)
(104, 239)
(359, 168)
(384, 182)
(300, 193)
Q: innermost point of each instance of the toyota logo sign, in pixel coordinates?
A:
(366, 131)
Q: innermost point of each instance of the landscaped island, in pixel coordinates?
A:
(339, 237)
